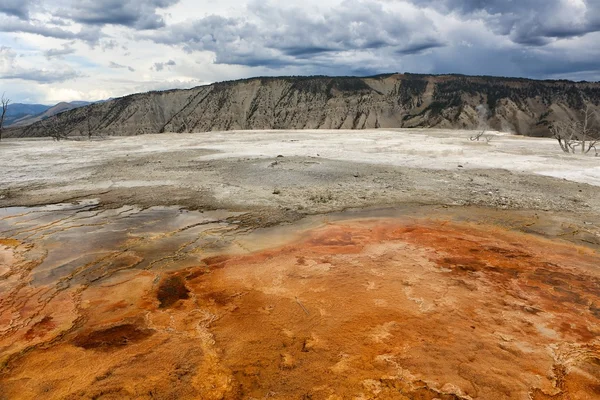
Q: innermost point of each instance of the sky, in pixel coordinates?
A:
(65, 50)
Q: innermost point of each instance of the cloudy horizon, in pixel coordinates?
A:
(63, 50)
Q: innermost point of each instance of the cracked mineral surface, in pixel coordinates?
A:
(202, 271)
(416, 302)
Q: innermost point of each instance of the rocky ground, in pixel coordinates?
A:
(299, 264)
(302, 172)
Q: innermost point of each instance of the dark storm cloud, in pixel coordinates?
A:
(370, 36)
(528, 22)
(303, 51)
(277, 37)
(530, 38)
(17, 8)
(130, 13)
(419, 47)
(560, 63)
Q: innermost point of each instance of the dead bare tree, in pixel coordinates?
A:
(92, 123)
(565, 135)
(53, 128)
(88, 117)
(480, 135)
(580, 136)
(5, 101)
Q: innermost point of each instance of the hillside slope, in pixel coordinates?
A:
(47, 113)
(17, 111)
(515, 105)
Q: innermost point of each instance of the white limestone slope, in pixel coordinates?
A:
(25, 161)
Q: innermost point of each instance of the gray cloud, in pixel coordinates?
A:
(529, 38)
(59, 53)
(159, 66)
(558, 62)
(119, 66)
(7, 58)
(87, 34)
(43, 76)
(112, 44)
(9, 69)
(17, 8)
(528, 22)
(495, 37)
(419, 46)
(130, 13)
(109, 44)
(59, 21)
(278, 37)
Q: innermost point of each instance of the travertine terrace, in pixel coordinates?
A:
(383, 264)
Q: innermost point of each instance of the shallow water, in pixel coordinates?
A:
(80, 235)
(411, 302)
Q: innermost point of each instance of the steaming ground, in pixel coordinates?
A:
(281, 175)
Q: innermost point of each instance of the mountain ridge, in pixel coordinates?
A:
(22, 114)
(518, 105)
(16, 111)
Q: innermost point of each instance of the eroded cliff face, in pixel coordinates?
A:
(520, 106)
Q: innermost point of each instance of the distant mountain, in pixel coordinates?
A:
(521, 106)
(79, 103)
(16, 111)
(19, 114)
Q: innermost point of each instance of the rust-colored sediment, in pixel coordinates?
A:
(373, 309)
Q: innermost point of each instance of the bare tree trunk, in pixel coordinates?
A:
(5, 101)
(53, 127)
(582, 133)
(563, 146)
(585, 128)
(477, 137)
(89, 124)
